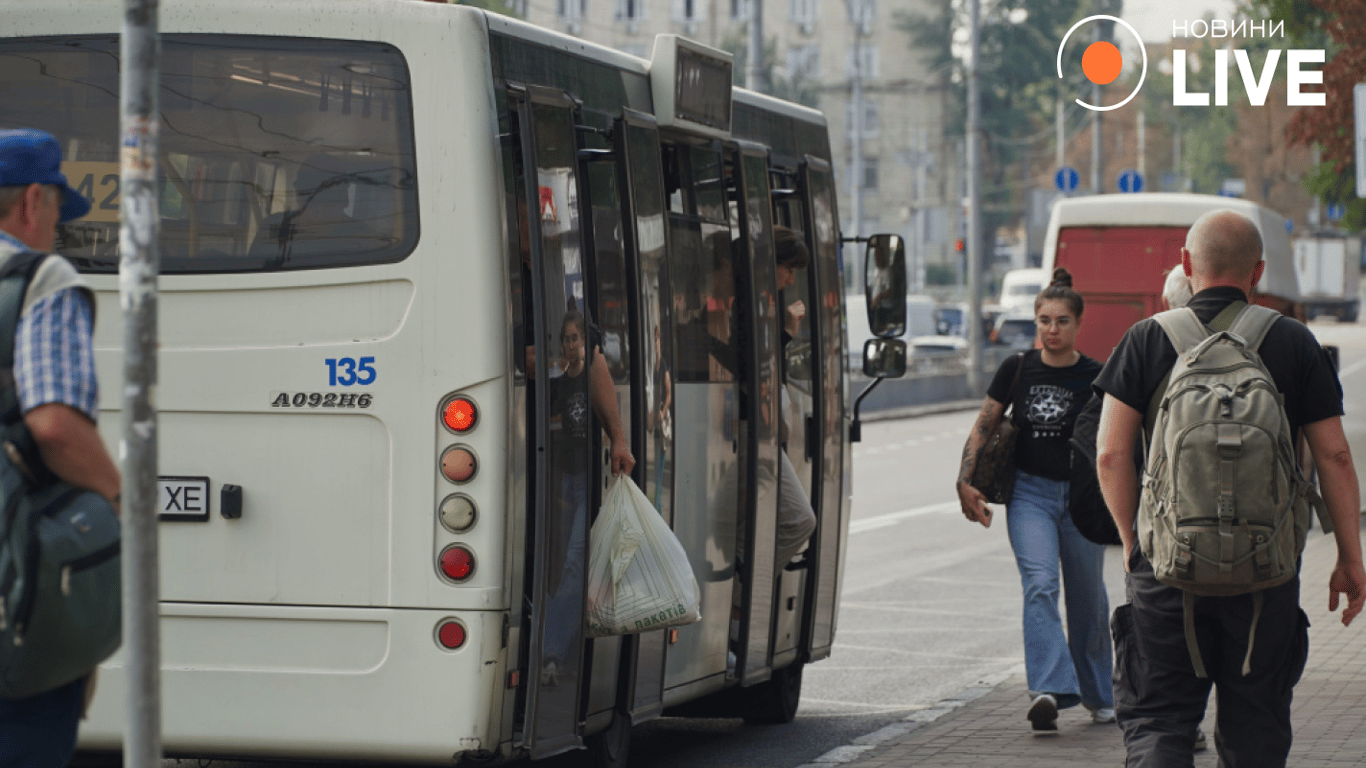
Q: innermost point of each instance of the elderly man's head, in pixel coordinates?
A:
(1223, 248)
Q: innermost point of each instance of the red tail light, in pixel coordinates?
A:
(450, 634)
(456, 562)
(458, 464)
(460, 415)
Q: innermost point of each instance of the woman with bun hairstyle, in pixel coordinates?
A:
(1064, 669)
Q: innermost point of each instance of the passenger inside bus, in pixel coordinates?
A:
(327, 216)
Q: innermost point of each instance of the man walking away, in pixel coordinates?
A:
(54, 372)
(1252, 647)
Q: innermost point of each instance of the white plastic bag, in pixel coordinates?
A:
(639, 578)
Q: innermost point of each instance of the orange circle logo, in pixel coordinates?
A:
(1101, 63)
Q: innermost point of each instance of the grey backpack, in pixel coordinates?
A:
(60, 609)
(1224, 508)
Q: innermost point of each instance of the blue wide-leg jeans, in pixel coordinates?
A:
(1074, 666)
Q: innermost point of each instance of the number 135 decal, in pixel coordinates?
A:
(347, 371)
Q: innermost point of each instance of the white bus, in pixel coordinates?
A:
(380, 221)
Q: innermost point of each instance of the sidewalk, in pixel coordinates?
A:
(986, 726)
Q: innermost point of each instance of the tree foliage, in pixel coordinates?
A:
(1339, 27)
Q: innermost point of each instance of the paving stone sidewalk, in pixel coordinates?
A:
(986, 726)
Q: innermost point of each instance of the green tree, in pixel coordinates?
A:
(1205, 131)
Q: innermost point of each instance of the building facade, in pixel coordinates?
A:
(821, 53)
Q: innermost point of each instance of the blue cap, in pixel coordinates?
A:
(29, 156)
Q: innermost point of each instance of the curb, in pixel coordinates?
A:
(912, 722)
(914, 411)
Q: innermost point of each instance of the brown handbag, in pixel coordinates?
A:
(993, 473)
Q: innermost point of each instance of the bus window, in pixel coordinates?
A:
(613, 311)
(703, 278)
(277, 153)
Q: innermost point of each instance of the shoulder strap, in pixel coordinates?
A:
(1015, 382)
(1252, 324)
(15, 277)
(1183, 328)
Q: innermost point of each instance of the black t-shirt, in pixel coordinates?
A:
(1299, 366)
(1046, 404)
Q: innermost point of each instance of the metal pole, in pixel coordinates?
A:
(1142, 143)
(974, 238)
(1060, 136)
(1097, 179)
(754, 73)
(140, 226)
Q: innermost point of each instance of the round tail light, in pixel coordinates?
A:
(458, 464)
(457, 513)
(459, 415)
(456, 563)
(450, 634)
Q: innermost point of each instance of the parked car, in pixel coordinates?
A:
(1015, 330)
(1020, 287)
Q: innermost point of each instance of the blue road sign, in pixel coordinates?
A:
(1067, 178)
(1336, 211)
(1289, 225)
(1130, 181)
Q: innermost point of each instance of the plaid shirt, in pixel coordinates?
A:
(54, 360)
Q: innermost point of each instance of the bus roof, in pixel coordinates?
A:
(1172, 209)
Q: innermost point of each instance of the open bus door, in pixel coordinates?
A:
(758, 595)
(825, 427)
(562, 454)
(635, 139)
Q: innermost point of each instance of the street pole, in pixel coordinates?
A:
(855, 8)
(1096, 171)
(139, 262)
(974, 239)
(753, 66)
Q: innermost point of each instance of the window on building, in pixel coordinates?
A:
(630, 10)
(869, 179)
(518, 7)
(866, 15)
(803, 13)
(862, 58)
(872, 118)
(571, 9)
(739, 10)
(689, 10)
(804, 63)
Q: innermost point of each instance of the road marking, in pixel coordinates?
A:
(892, 518)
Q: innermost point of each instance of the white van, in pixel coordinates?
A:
(1020, 287)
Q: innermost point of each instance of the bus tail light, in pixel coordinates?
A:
(456, 563)
(459, 415)
(458, 464)
(450, 634)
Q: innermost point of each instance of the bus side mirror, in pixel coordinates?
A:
(884, 280)
(884, 358)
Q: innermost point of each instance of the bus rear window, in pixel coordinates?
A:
(276, 153)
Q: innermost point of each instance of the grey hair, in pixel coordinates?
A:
(10, 196)
(1176, 291)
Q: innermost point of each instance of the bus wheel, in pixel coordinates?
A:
(775, 702)
(609, 748)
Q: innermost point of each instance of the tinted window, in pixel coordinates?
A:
(276, 153)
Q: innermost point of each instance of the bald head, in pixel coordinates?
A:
(1224, 246)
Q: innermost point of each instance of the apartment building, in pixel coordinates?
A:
(910, 179)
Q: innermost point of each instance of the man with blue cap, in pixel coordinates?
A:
(54, 375)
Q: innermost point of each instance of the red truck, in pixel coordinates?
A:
(1119, 248)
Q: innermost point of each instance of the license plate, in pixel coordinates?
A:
(183, 498)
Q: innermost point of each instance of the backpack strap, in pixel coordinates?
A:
(1252, 323)
(15, 276)
(1183, 328)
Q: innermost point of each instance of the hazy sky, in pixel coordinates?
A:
(1153, 18)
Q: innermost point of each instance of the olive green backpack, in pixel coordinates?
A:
(60, 586)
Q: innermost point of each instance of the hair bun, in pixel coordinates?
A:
(1061, 278)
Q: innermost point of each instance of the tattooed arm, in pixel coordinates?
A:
(974, 504)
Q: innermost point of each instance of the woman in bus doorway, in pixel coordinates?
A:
(1054, 382)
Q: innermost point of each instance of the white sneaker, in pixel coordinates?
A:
(1200, 743)
(1043, 715)
(1102, 715)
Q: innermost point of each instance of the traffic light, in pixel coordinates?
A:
(958, 245)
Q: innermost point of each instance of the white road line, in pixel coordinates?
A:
(892, 518)
(1351, 369)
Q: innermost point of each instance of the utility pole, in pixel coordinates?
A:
(754, 72)
(855, 8)
(1096, 171)
(1142, 130)
(139, 262)
(974, 244)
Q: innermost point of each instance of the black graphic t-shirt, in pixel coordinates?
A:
(569, 414)
(1046, 405)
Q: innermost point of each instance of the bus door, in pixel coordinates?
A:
(640, 175)
(706, 403)
(828, 423)
(558, 358)
(759, 316)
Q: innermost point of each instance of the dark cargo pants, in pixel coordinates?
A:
(1159, 702)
